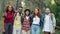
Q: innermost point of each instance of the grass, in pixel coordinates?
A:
(57, 31)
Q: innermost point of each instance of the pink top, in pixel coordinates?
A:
(9, 18)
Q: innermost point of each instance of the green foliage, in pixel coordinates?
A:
(57, 2)
(55, 8)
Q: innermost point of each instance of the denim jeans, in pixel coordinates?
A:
(8, 28)
(35, 29)
(16, 30)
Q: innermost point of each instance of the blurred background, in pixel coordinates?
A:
(31, 4)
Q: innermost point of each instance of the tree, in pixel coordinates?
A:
(55, 8)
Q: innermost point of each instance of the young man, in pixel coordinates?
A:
(17, 22)
(49, 22)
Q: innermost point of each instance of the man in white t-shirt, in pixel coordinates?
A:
(49, 22)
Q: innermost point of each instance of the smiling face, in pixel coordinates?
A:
(36, 11)
(20, 10)
(27, 13)
(10, 8)
(47, 10)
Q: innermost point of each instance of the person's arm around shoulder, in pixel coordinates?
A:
(42, 20)
(3, 23)
(31, 20)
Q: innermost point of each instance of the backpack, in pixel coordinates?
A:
(51, 16)
(15, 15)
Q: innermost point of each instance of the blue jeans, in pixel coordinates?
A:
(8, 28)
(35, 29)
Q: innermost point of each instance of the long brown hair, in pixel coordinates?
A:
(6, 10)
(38, 14)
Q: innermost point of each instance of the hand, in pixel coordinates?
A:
(53, 32)
(3, 30)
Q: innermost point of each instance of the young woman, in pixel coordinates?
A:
(17, 22)
(8, 20)
(35, 27)
(49, 22)
(26, 22)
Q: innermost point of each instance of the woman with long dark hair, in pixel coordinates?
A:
(8, 19)
(26, 22)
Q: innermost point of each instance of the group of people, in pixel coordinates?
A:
(15, 22)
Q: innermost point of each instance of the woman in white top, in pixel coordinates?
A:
(49, 22)
(35, 28)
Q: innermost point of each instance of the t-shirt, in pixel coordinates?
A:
(36, 20)
(17, 21)
(27, 17)
(8, 18)
(47, 21)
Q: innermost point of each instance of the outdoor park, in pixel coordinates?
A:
(53, 4)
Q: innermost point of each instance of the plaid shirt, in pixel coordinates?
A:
(26, 24)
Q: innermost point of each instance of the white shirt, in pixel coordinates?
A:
(17, 21)
(47, 24)
(36, 20)
(27, 17)
(48, 21)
